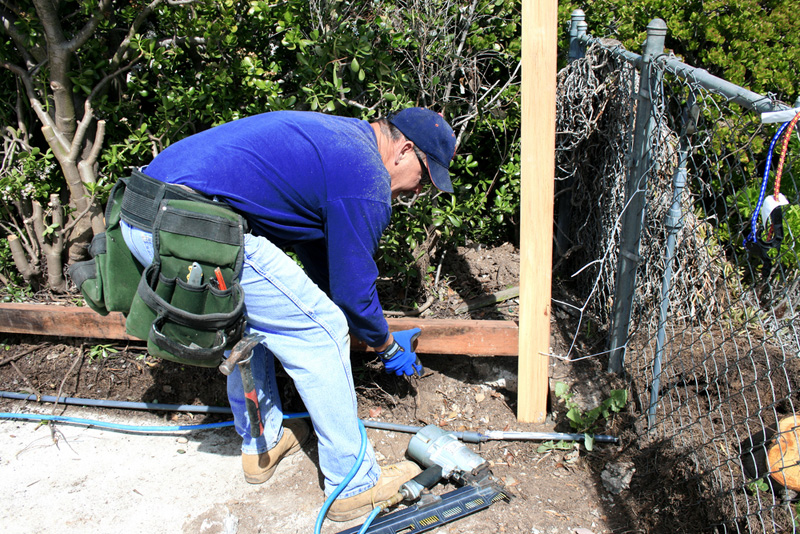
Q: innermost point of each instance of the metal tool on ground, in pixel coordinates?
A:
(241, 354)
(444, 457)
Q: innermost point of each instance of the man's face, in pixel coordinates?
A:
(410, 172)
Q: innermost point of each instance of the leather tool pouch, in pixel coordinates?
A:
(191, 322)
(109, 280)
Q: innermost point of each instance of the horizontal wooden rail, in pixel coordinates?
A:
(439, 336)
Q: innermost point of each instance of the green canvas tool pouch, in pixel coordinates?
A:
(109, 280)
(185, 316)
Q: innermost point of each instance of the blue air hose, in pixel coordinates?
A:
(112, 426)
(372, 515)
(467, 437)
(106, 403)
(473, 437)
(340, 488)
(152, 429)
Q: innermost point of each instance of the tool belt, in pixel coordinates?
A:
(186, 319)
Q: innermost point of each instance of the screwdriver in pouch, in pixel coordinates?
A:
(220, 279)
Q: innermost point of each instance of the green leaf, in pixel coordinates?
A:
(619, 398)
(455, 221)
(574, 415)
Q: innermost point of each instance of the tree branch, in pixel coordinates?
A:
(81, 215)
(101, 84)
(122, 49)
(89, 28)
(80, 132)
(54, 249)
(31, 56)
(51, 23)
(60, 57)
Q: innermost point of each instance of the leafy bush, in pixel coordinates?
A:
(149, 76)
(752, 43)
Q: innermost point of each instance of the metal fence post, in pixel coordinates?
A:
(577, 50)
(672, 223)
(635, 191)
(577, 29)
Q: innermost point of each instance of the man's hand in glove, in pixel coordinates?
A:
(399, 357)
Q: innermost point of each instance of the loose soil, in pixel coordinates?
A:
(72, 478)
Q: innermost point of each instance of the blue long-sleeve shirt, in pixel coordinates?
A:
(307, 180)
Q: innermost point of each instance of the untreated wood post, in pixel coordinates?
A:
(539, 25)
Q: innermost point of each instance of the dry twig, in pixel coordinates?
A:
(21, 354)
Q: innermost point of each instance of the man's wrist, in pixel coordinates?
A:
(386, 345)
(390, 352)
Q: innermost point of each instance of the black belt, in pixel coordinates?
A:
(144, 194)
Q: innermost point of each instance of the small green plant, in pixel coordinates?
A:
(757, 485)
(101, 351)
(588, 421)
(15, 293)
(796, 516)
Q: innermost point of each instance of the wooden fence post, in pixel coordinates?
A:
(539, 25)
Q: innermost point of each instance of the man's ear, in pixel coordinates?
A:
(406, 147)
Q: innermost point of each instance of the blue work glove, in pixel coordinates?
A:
(399, 358)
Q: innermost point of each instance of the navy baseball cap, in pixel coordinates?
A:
(430, 133)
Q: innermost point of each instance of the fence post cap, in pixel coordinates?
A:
(657, 25)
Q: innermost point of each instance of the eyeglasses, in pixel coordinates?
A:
(426, 175)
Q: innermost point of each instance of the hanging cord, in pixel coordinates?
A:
(779, 170)
(784, 150)
(753, 237)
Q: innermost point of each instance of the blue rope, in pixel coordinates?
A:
(754, 220)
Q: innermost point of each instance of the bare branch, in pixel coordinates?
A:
(31, 56)
(81, 215)
(54, 248)
(16, 69)
(107, 78)
(89, 28)
(80, 132)
(133, 30)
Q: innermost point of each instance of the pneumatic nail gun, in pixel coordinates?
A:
(444, 457)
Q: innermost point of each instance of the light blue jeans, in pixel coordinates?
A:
(308, 334)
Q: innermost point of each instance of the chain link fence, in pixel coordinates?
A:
(677, 221)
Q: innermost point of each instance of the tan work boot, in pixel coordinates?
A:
(392, 477)
(258, 468)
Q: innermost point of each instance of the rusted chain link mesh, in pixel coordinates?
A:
(730, 367)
